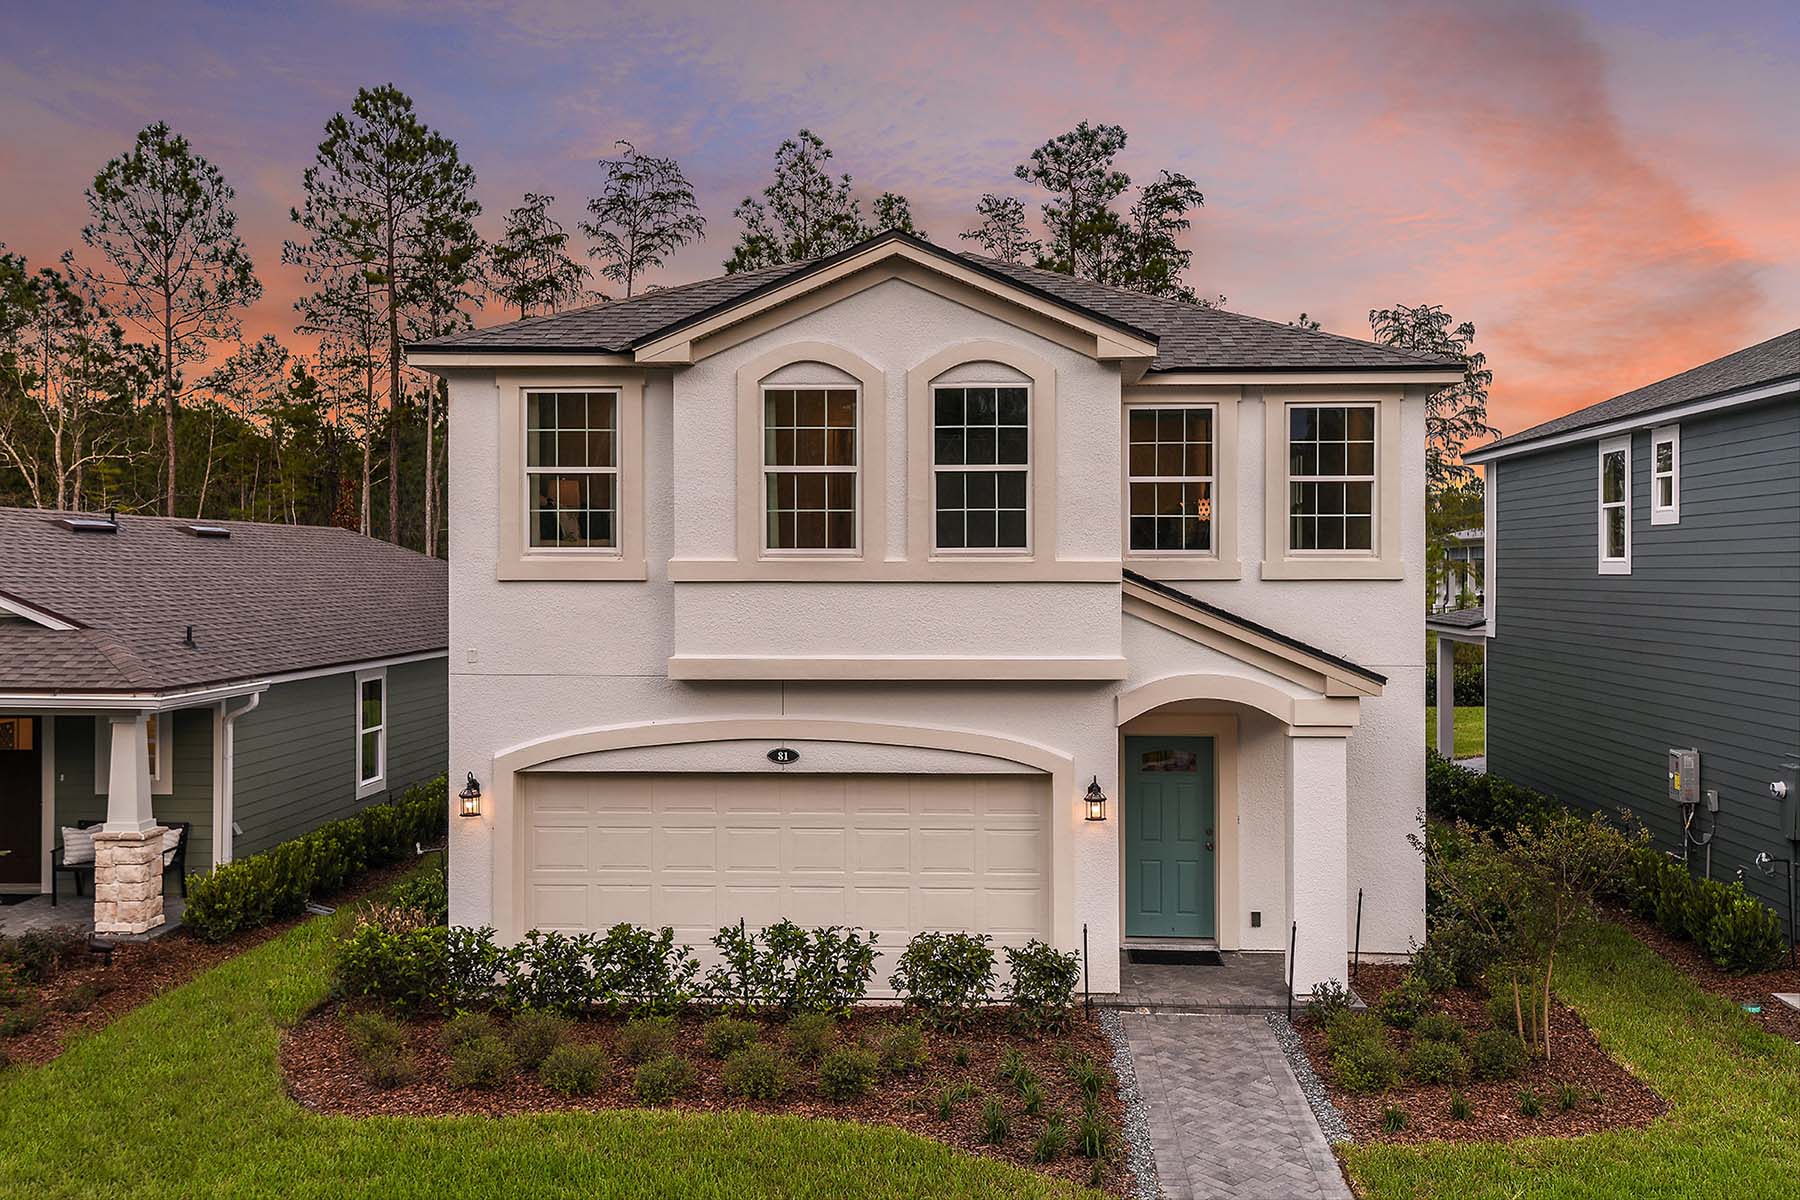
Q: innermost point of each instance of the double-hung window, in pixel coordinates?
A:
(1615, 506)
(1331, 478)
(572, 470)
(810, 456)
(981, 468)
(1169, 479)
(371, 731)
(1665, 475)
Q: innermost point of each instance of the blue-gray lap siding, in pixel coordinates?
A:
(296, 753)
(78, 757)
(1592, 678)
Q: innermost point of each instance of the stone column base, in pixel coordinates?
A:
(128, 896)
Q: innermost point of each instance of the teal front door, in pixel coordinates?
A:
(1169, 837)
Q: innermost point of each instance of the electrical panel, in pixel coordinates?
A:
(1684, 776)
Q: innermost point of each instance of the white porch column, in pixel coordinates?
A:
(1318, 866)
(1446, 697)
(128, 848)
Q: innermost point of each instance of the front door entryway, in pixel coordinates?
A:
(21, 804)
(1170, 835)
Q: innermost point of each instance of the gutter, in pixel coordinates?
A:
(224, 795)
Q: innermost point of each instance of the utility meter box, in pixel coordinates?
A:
(1786, 790)
(1684, 776)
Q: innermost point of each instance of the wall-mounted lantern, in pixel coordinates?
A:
(1096, 801)
(471, 798)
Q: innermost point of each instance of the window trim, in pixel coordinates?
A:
(766, 551)
(1614, 445)
(1029, 470)
(615, 550)
(518, 558)
(162, 780)
(1669, 514)
(377, 783)
(1218, 459)
(1385, 558)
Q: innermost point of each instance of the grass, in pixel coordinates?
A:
(1471, 731)
(1734, 1090)
(184, 1097)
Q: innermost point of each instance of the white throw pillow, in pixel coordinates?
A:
(171, 843)
(78, 846)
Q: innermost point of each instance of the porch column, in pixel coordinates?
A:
(1446, 697)
(1318, 866)
(128, 848)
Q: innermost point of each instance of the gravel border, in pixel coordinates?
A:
(1139, 1155)
(1331, 1121)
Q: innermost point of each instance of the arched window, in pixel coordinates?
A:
(981, 466)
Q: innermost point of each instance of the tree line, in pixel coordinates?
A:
(126, 380)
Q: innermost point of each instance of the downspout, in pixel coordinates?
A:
(225, 802)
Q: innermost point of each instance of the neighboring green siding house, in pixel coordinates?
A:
(1643, 595)
(283, 676)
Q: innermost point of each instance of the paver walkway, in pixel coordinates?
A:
(1227, 1119)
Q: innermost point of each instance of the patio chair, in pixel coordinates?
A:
(173, 860)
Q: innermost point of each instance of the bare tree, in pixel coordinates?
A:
(645, 212)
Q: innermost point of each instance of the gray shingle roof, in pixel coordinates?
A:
(267, 600)
(1188, 337)
(1766, 362)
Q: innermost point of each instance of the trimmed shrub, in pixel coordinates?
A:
(793, 969)
(947, 976)
(22, 1019)
(1040, 985)
(756, 1072)
(643, 971)
(1743, 935)
(846, 1073)
(725, 1036)
(663, 1079)
(903, 1050)
(1367, 1064)
(1497, 1054)
(1404, 1003)
(550, 971)
(644, 1038)
(1348, 1028)
(482, 1063)
(84, 995)
(466, 1027)
(996, 1126)
(383, 1053)
(1437, 1062)
(574, 1068)
(811, 1035)
(36, 955)
(1439, 1027)
(533, 1034)
(405, 969)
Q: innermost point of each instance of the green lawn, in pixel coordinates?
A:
(1471, 731)
(183, 1097)
(1734, 1128)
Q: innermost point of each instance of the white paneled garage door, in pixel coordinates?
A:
(892, 853)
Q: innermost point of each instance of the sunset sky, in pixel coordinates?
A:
(1610, 190)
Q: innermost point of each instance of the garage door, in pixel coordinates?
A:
(892, 853)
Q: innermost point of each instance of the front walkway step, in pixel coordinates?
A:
(1227, 1118)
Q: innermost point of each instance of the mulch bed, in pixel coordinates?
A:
(140, 972)
(1611, 1097)
(322, 1074)
(1759, 988)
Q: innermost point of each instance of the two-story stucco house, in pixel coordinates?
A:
(833, 591)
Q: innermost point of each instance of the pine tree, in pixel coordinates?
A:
(645, 212)
(805, 212)
(529, 268)
(1002, 233)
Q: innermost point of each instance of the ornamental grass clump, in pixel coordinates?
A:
(1052, 1140)
(1093, 1133)
(996, 1126)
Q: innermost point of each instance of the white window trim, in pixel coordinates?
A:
(1029, 470)
(369, 787)
(162, 781)
(1214, 522)
(1617, 445)
(1661, 514)
(856, 469)
(1384, 560)
(617, 549)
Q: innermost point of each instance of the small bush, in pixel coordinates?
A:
(756, 1072)
(1437, 1062)
(644, 1038)
(574, 1068)
(903, 1050)
(35, 956)
(810, 1035)
(725, 1036)
(1349, 1027)
(482, 1063)
(1568, 1096)
(1366, 1065)
(996, 1126)
(1530, 1104)
(383, 1053)
(1743, 935)
(1052, 1140)
(1439, 1027)
(466, 1027)
(404, 967)
(83, 996)
(642, 970)
(1088, 1077)
(1393, 1118)
(794, 969)
(1404, 1003)
(22, 1019)
(1459, 1106)
(533, 1034)
(1093, 1133)
(846, 1073)
(662, 1079)
(427, 893)
(549, 970)
(948, 976)
(1328, 1000)
(1041, 985)
(1497, 1054)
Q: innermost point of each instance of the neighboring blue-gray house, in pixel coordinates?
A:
(1642, 595)
(274, 676)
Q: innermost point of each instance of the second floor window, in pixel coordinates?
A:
(981, 467)
(1169, 468)
(572, 469)
(809, 468)
(1331, 478)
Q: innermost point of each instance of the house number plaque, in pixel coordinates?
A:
(783, 755)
